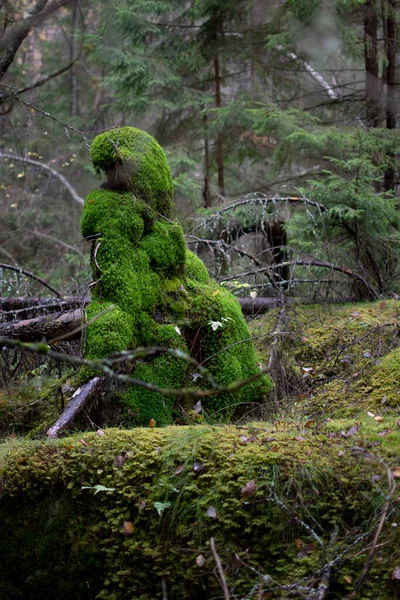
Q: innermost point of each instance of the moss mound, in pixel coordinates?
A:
(151, 291)
(340, 360)
(128, 514)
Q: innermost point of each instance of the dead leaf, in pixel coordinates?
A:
(212, 512)
(348, 579)
(299, 543)
(127, 528)
(396, 573)
(178, 470)
(341, 453)
(152, 423)
(246, 440)
(99, 433)
(384, 432)
(378, 419)
(398, 423)
(119, 460)
(300, 438)
(351, 431)
(355, 314)
(200, 560)
(396, 472)
(249, 489)
(84, 443)
(198, 467)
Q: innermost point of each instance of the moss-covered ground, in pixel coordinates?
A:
(130, 514)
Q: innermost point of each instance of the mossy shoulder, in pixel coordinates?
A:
(113, 517)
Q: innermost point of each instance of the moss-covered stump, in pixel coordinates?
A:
(149, 290)
(130, 514)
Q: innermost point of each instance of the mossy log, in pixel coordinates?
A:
(129, 515)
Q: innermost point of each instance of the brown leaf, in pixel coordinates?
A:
(351, 431)
(299, 543)
(246, 440)
(127, 528)
(200, 560)
(396, 472)
(378, 419)
(178, 470)
(212, 512)
(398, 423)
(84, 443)
(152, 423)
(198, 467)
(119, 460)
(384, 432)
(396, 573)
(348, 579)
(249, 489)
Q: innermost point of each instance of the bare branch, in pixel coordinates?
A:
(220, 570)
(32, 276)
(74, 194)
(78, 401)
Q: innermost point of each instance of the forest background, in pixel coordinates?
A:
(279, 120)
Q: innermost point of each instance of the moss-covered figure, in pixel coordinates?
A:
(150, 290)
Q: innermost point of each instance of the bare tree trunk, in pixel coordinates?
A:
(372, 82)
(220, 147)
(206, 187)
(73, 111)
(390, 80)
(66, 325)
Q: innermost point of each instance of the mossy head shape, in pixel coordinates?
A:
(135, 159)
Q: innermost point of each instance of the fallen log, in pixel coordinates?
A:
(74, 406)
(67, 324)
(64, 325)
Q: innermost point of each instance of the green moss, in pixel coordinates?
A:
(143, 161)
(195, 268)
(56, 528)
(385, 381)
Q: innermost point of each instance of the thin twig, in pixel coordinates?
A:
(32, 276)
(220, 570)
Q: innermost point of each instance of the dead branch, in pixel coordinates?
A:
(78, 401)
(74, 194)
(220, 570)
(310, 263)
(32, 276)
(38, 303)
(14, 38)
(64, 325)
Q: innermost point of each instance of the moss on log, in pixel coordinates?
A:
(131, 513)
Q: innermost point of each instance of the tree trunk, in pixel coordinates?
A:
(372, 82)
(206, 186)
(390, 80)
(73, 111)
(220, 147)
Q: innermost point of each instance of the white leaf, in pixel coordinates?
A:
(253, 294)
(370, 414)
(178, 331)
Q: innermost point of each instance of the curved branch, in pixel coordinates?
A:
(311, 263)
(32, 276)
(36, 163)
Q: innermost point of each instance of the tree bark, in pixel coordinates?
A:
(64, 325)
(220, 146)
(390, 80)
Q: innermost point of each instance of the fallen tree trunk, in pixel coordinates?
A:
(74, 406)
(65, 325)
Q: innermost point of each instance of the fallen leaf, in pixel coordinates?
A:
(152, 423)
(351, 431)
(355, 314)
(396, 472)
(249, 489)
(299, 543)
(127, 528)
(384, 432)
(212, 512)
(396, 573)
(198, 407)
(398, 423)
(84, 443)
(246, 440)
(300, 438)
(99, 433)
(200, 560)
(198, 467)
(178, 470)
(370, 414)
(348, 579)
(376, 477)
(378, 419)
(341, 453)
(119, 460)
